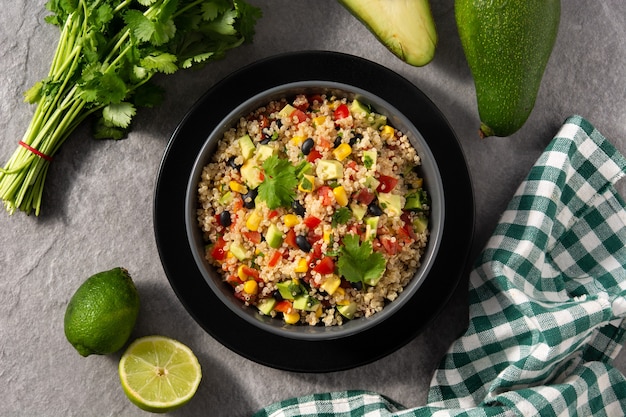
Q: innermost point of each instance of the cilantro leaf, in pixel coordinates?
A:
(278, 189)
(341, 216)
(359, 263)
(119, 115)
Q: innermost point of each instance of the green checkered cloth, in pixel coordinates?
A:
(547, 302)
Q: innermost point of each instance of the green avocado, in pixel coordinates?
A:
(507, 45)
(405, 27)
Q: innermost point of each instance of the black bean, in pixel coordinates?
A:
(337, 141)
(225, 218)
(232, 163)
(357, 285)
(266, 139)
(307, 146)
(298, 208)
(248, 198)
(278, 296)
(303, 243)
(374, 209)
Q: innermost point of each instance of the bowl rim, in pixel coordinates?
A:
(436, 222)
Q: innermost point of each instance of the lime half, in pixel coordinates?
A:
(159, 374)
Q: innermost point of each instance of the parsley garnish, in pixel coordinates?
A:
(359, 263)
(278, 189)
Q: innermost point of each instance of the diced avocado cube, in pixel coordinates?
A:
(371, 183)
(250, 172)
(358, 107)
(273, 236)
(238, 251)
(369, 158)
(264, 151)
(371, 226)
(289, 289)
(416, 200)
(377, 120)
(226, 198)
(328, 169)
(391, 204)
(286, 111)
(420, 224)
(247, 147)
(305, 302)
(347, 310)
(358, 210)
(266, 305)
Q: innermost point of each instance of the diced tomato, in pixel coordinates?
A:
(326, 194)
(390, 245)
(313, 156)
(233, 280)
(290, 239)
(387, 183)
(251, 272)
(315, 97)
(272, 214)
(341, 112)
(217, 251)
(276, 256)
(263, 121)
(365, 196)
(325, 266)
(325, 143)
(299, 114)
(283, 306)
(311, 222)
(237, 204)
(252, 236)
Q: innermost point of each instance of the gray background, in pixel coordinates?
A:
(97, 211)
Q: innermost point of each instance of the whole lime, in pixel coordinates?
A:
(102, 313)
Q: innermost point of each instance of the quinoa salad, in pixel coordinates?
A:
(313, 210)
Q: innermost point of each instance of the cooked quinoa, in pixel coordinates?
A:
(313, 211)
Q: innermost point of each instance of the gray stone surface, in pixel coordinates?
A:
(98, 205)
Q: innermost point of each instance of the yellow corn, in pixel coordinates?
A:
(327, 235)
(388, 132)
(302, 265)
(291, 220)
(331, 284)
(339, 292)
(319, 120)
(253, 221)
(343, 302)
(242, 275)
(239, 188)
(291, 318)
(341, 196)
(307, 184)
(319, 311)
(419, 182)
(297, 140)
(250, 287)
(342, 151)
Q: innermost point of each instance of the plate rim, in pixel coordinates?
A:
(228, 330)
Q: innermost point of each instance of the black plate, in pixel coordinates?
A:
(188, 282)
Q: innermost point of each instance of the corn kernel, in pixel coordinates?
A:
(319, 120)
(253, 221)
(388, 132)
(331, 284)
(239, 188)
(343, 302)
(291, 318)
(342, 151)
(291, 220)
(307, 184)
(327, 235)
(319, 311)
(419, 183)
(341, 196)
(339, 292)
(242, 275)
(302, 265)
(297, 140)
(251, 287)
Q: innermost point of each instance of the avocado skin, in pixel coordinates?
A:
(507, 44)
(405, 27)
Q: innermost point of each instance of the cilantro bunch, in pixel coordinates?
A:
(107, 54)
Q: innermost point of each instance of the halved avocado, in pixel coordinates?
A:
(405, 27)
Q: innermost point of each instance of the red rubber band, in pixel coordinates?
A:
(35, 151)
